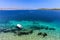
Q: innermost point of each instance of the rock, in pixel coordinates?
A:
(13, 30)
(23, 33)
(26, 32)
(45, 34)
(46, 28)
(42, 27)
(52, 29)
(19, 27)
(40, 33)
(9, 30)
(35, 28)
(1, 30)
(6, 30)
(31, 31)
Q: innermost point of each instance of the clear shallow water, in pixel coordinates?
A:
(50, 18)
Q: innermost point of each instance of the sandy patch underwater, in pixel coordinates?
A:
(52, 35)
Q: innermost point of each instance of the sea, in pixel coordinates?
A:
(10, 18)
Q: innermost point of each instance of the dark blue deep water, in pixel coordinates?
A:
(30, 15)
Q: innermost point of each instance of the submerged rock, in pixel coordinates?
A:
(52, 29)
(42, 34)
(35, 28)
(39, 27)
(46, 28)
(6, 30)
(24, 32)
(45, 34)
(19, 27)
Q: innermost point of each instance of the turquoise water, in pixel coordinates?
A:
(27, 18)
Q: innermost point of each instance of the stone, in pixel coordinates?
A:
(45, 34)
(46, 28)
(35, 28)
(40, 33)
(6, 30)
(52, 29)
(26, 32)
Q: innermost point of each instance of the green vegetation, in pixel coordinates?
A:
(49, 9)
